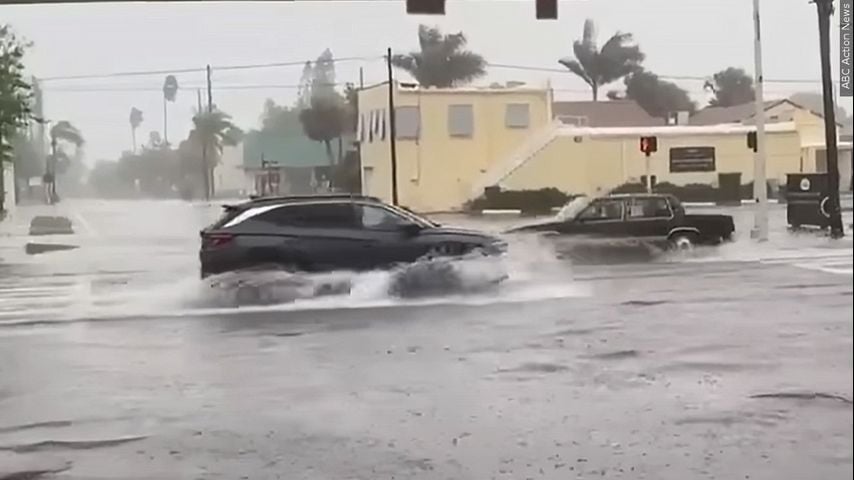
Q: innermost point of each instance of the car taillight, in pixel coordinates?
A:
(216, 240)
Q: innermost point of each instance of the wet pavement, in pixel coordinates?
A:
(117, 362)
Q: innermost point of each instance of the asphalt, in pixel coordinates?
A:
(117, 362)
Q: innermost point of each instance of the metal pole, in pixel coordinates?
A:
(392, 130)
(208, 170)
(760, 188)
(165, 124)
(204, 149)
(648, 176)
(825, 10)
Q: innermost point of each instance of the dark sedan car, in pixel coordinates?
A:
(328, 233)
(647, 217)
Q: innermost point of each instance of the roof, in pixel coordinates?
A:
(285, 150)
(739, 113)
(673, 130)
(613, 113)
(276, 200)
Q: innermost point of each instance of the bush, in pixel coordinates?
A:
(529, 201)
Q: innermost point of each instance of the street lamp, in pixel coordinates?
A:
(825, 10)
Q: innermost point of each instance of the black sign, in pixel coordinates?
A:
(692, 159)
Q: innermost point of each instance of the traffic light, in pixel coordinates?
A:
(425, 7)
(648, 145)
(751, 141)
(546, 9)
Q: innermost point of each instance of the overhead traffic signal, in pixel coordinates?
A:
(546, 9)
(425, 7)
(648, 145)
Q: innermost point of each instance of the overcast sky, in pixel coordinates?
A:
(692, 38)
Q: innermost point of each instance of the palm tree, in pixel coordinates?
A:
(442, 60)
(135, 122)
(62, 131)
(213, 130)
(170, 91)
(597, 67)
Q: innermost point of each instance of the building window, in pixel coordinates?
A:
(517, 115)
(460, 121)
(407, 123)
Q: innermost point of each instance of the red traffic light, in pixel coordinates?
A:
(648, 145)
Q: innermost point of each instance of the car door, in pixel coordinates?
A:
(384, 238)
(648, 218)
(315, 236)
(604, 217)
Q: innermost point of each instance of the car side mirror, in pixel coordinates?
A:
(411, 229)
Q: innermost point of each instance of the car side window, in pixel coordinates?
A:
(377, 218)
(647, 208)
(603, 210)
(321, 215)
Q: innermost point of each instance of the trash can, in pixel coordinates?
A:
(807, 197)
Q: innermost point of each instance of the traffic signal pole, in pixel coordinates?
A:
(647, 172)
(825, 10)
(760, 188)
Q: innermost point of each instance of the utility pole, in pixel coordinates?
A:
(825, 10)
(201, 140)
(760, 188)
(209, 184)
(392, 130)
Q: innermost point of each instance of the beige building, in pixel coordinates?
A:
(453, 143)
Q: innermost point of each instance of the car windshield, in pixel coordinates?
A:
(573, 208)
(410, 215)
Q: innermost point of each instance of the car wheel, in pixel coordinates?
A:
(683, 241)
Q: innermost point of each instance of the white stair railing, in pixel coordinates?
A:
(516, 159)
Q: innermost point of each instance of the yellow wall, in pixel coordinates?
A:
(597, 164)
(435, 172)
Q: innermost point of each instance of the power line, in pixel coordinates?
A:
(665, 77)
(199, 69)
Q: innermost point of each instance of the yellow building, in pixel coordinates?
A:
(446, 138)
(454, 143)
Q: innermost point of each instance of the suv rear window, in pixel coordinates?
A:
(319, 215)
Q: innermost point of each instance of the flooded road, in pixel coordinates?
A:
(117, 362)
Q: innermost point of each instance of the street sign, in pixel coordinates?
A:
(425, 7)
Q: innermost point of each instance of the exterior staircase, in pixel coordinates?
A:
(516, 159)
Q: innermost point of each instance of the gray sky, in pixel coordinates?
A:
(692, 38)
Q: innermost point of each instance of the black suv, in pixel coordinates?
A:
(648, 217)
(322, 233)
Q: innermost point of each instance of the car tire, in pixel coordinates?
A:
(684, 241)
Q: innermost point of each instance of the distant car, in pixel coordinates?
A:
(322, 233)
(647, 217)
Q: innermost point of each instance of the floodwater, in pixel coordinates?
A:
(116, 361)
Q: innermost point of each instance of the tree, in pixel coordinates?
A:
(325, 121)
(135, 122)
(730, 87)
(15, 93)
(658, 97)
(304, 91)
(616, 59)
(442, 60)
(170, 92)
(280, 119)
(326, 117)
(62, 134)
(211, 132)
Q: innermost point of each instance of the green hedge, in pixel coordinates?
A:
(529, 201)
(692, 192)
